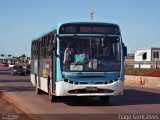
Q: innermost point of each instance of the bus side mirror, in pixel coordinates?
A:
(54, 42)
(124, 51)
(54, 46)
(52, 49)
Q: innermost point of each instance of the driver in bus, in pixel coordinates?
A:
(68, 54)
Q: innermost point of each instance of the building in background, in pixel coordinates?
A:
(147, 54)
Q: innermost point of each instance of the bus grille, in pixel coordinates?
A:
(83, 91)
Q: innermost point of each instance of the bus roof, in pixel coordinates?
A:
(60, 24)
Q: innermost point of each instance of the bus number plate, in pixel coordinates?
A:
(76, 67)
(92, 89)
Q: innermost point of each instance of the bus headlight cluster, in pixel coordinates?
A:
(74, 82)
(110, 81)
(71, 82)
(80, 82)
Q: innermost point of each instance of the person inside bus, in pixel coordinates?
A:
(82, 56)
(105, 52)
(69, 54)
(86, 53)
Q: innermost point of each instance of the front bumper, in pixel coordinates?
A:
(67, 89)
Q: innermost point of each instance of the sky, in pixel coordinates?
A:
(22, 20)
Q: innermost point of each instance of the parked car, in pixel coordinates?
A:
(11, 65)
(17, 70)
(5, 64)
(28, 69)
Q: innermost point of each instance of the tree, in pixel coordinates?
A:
(2, 55)
(9, 55)
(23, 55)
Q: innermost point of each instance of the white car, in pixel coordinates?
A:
(11, 65)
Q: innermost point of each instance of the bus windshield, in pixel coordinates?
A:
(87, 54)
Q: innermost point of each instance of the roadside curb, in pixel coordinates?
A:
(142, 80)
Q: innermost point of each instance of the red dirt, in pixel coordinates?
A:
(155, 73)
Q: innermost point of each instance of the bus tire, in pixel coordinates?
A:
(104, 99)
(52, 98)
(37, 90)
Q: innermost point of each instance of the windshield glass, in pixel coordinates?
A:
(90, 54)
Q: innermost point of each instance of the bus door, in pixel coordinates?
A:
(54, 57)
(39, 58)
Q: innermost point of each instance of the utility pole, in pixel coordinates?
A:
(92, 16)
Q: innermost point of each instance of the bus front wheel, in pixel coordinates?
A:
(51, 96)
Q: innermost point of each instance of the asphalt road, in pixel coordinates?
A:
(136, 100)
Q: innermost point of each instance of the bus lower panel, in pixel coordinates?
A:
(67, 89)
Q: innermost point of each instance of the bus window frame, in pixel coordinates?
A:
(92, 35)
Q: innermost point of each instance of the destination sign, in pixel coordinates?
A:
(89, 29)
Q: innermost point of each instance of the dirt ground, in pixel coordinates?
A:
(154, 73)
(142, 72)
(10, 112)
